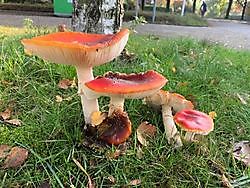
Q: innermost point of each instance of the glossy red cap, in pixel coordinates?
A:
(194, 121)
(125, 85)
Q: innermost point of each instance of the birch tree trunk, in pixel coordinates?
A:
(97, 16)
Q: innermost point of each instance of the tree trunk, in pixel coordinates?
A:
(168, 6)
(99, 16)
(244, 9)
(229, 8)
(142, 5)
(154, 12)
(183, 7)
(194, 6)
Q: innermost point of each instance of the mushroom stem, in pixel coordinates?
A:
(189, 136)
(85, 74)
(171, 131)
(115, 103)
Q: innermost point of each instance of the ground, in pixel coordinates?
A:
(233, 34)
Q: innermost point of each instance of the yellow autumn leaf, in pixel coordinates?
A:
(212, 114)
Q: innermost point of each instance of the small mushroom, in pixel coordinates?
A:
(82, 50)
(120, 87)
(194, 122)
(166, 101)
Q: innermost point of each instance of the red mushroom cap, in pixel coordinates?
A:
(126, 85)
(194, 121)
(76, 48)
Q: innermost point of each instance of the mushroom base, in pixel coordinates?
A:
(115, 129)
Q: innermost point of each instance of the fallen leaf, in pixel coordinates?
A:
(4, 150)
(182, 84)
(144, 132)
(16, 157)
(225, 182)
(241, 98)
(139, 153)
(241, 152)
(90, 183)
(68, 99)
(44, 184)
(111, 179)
(212, 114)
(173, 69)
(115, 154)
(64, 84)
(6, 83)
(97, 117)
(6, 114)
(15, 122)
(73, 84)
(135, 182)
(59, 99)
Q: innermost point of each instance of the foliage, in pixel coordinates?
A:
(210, 75)
(168, 18)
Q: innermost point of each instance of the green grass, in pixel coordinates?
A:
(169, 18)
(52, 131)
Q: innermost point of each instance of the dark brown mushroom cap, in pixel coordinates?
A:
(194, 121)
(116, 128)
(76, 48)
(125, 85)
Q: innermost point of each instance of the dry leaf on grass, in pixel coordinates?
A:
(59, 99)
(97, 117)
(90, 182)
(65, 83)
(241, 152)
(15, 158)
(111, 179)
(173, 69)
(144, 132)
(242, 99)
(212, 114)
(15, 122)
(44, 184)
(6, 114)
(4, 150)
(225, 182)
(135, 182)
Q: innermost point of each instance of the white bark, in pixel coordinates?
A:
(99, 16)
(183, 7)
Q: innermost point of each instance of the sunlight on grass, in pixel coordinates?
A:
(211, 76)
(9, 31)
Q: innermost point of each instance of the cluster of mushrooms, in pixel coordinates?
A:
(86, 51)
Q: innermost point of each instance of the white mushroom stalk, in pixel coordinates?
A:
(171, 131)
(116, 102)
(89, 106)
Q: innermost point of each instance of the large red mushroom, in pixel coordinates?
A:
(82, 50)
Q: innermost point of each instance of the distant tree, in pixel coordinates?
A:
(243, 3)
(229, 8)
(98, 16)
(194, 6)
(142, 4)
(168, 6)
